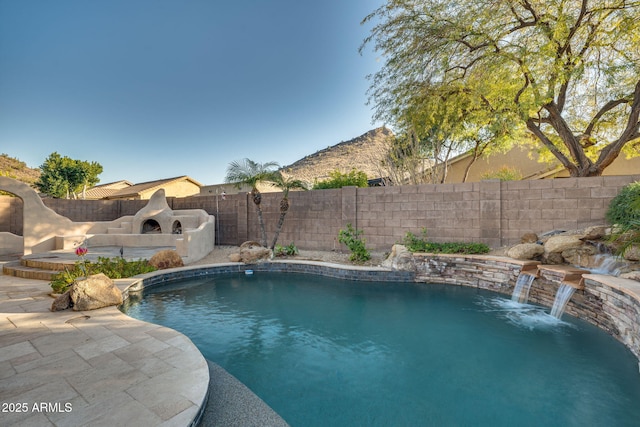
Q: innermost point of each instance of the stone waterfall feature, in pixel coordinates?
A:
(521, 290)
(569, 279)
(525, 279)
(564, 294)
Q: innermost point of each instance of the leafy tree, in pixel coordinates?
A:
(286, 184)
(567, 71)
(440, 125)
(505, 173)
(248, 172)
(338, 179)
(64, 176)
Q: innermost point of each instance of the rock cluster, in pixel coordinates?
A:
(89, 293)
(583, 248)
(251, 252)
(400, 258)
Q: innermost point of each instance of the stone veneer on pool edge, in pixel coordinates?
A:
(611, 303)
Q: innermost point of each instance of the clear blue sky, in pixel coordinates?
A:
(152, 89)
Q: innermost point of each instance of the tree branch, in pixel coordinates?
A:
(631, 132)
(531, 125)
(605, 108)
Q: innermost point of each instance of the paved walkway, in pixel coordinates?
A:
(98, 368)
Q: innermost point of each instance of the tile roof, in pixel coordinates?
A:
(136, 189)
(104, 190)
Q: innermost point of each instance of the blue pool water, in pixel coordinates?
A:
(326, 352)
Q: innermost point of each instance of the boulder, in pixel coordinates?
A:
(529, 238)
(552, 258)
(400, 258)
(167, 258)
(595, 232)
(560, 243)
(249, 244)
(525, 251)
(632, 254)
(252, 252)
(582, 256)
(62, 302)
(94, 292)
(235, 257)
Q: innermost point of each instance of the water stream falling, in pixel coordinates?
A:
(564, 294)
(606, 264)
(521, 290)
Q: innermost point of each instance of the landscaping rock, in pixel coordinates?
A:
(249, 244)
(582, 255)
(400, 258)
(167, 258)
(62, 302)
(235, 257)
(529, 238)
(94, 292)
(632, 254)
(552, 258)
(558, 244)
(525, 251)
(252, 252)
(595, 232)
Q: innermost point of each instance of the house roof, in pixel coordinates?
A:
(136, 189)
(104, 190)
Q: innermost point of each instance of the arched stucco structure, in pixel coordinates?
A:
(40, 223)
(45, 230)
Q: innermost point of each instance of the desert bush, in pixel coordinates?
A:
(421, 244)
(356, 244)
(289, 250)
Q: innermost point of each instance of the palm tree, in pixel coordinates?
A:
(285, 184)
(251, 173)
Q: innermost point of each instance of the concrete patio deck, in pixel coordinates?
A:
(98, 368)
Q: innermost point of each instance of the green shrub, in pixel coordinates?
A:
(289, 250)
(114, 268)
(338, 179)
(624, 209)
(421, 244)
(357, 245)
(624, 214)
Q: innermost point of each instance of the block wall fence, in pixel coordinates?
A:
(491, 212)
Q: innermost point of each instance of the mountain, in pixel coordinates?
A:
(363, 153)
(14, 168)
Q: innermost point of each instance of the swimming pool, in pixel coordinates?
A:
(323, 351)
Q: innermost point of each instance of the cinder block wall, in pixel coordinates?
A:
(492, 212)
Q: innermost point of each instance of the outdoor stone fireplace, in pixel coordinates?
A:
(150, 226)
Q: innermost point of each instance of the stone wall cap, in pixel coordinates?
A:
(628, 286)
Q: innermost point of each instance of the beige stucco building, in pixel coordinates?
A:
(181, 186)
(525, 161)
